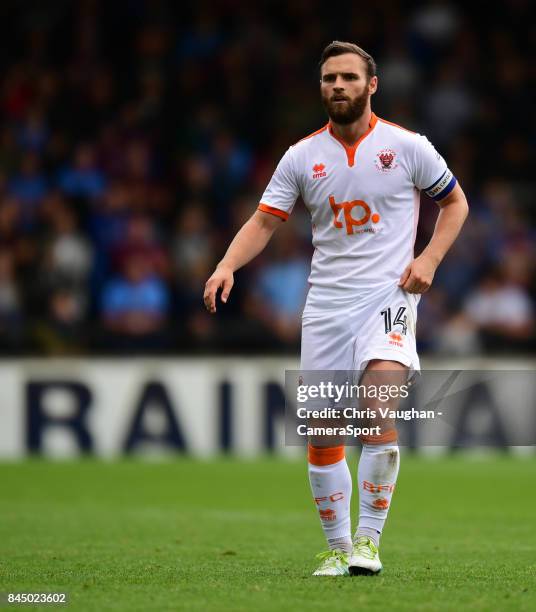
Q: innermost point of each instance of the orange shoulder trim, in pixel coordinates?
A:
(396, 125)
(273, 211)
(315, 133)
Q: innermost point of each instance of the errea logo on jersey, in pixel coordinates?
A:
(318, 171)
(349, 220)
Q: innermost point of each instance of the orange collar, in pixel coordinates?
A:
(350, 150)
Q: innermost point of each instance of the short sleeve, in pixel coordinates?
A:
(431, 173)
(283, 190)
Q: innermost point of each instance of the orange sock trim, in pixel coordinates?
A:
(384, 438)
(325, 455)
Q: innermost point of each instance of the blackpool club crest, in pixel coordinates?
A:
(386, 160)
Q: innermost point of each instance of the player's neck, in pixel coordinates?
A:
(352, 132)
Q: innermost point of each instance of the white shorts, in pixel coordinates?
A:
(382, 327)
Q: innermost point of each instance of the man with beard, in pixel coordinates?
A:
(360, 178)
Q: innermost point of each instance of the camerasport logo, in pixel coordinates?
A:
(386, 160)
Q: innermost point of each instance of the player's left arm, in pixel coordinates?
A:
(418, 275)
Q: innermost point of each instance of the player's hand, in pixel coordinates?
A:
(418, 275)
(222, 278)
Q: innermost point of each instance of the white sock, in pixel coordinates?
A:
(376, 477)
(332, 489)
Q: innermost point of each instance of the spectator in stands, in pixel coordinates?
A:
(82, 178)
(29, 187)
(502, 312)
(69, 254)
(63, 331)
(141, 240)
(134, 308)
(280, 287)
(10, 305)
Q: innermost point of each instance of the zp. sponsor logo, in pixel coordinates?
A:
(349, 209)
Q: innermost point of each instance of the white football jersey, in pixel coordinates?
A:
(364, 205)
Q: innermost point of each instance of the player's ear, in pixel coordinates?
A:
(373, 85)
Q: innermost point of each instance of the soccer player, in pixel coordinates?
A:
(360, 177)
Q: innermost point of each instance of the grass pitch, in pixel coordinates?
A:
(233, 535)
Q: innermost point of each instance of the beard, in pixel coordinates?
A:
(348, 111)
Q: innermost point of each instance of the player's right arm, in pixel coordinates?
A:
(276, 205)
(250, 240)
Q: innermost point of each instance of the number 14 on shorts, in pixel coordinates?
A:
(401, 318)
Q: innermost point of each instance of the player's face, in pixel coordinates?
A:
(345, 87)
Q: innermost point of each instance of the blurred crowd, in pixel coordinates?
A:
(137, 137)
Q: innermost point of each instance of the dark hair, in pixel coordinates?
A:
(339, 48)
